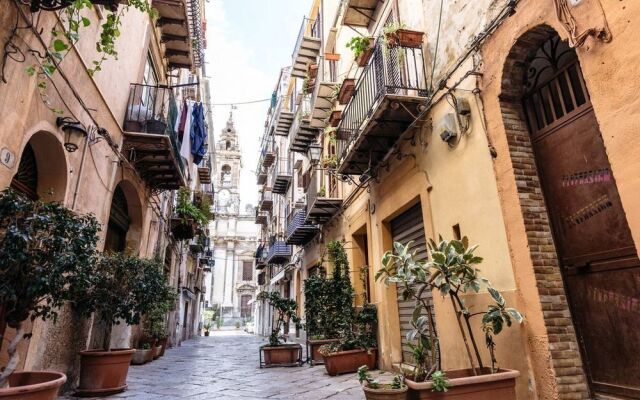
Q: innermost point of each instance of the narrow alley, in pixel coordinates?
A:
(225, 366)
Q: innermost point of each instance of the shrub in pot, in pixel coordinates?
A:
(155, 321)
(277, 352)
(376, 390)
(356, 331)
(319, 315)
(189, 216)
(44, 251)
(362, 48)
(122, 289)
(452, 271)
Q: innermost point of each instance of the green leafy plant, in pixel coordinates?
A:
(45, 251)
(365, 377)
(452, 271)
(322, 192)
(145, 346)
(440, 382)
(207, 326)
(359, 44)
(155, 321)
(285, 312)
(186, 209)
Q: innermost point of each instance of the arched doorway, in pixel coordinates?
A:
(587, 269)
(125, 220)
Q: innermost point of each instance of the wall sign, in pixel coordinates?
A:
(7, 158)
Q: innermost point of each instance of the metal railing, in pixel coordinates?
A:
(315, 188)
(397, 71)
(309, 28)
(303, 112)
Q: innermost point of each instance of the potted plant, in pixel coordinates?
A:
(375, 390)
(142, 355)
(312, 70)
(189, 216)
(122, 289)
(318, 320)
(347, 90)
(45, 249)
(452, 271)
(356, 331)
(278, 353)
(155, 321)
(362, 48)
(207, 328)
(396, 34)
(335, 117)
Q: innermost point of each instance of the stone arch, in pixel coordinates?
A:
(566, 360)
(125, 219)
(42, 171)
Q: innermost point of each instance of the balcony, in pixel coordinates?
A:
(325, 93)
(302, 135)
(279, 252)
(389, 95)
(321, 206)
(262, 217)
(180, 26)
(282, 176)
(261, 257)
(204, 170)
(299, 232)
(262, 175)
(266, 201)
(150, 141)
(261, 278)
(360, 12)
(307, 47)
(283, 125)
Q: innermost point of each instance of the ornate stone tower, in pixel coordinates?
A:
(234, 234)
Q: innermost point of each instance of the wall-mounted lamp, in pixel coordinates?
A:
(448, 131)
(73, 130)
(315, 150)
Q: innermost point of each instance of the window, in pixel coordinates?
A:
(149, 80)
(247, 270)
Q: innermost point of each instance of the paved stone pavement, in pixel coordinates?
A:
(225, 366)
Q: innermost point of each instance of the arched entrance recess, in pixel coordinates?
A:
(124, 228)
(586, 266)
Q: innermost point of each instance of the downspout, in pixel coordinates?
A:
(80, 171)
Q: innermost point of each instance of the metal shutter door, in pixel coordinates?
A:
(409, 226)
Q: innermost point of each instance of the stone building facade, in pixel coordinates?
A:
(124, 167)
(232, 281)
(512, 123)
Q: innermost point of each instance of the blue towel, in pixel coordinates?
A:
(198, 134)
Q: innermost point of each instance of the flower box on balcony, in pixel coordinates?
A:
(346, 90)
(313, 71)
(183, 229)
(363, 59)
(405, 38)
(335, 117)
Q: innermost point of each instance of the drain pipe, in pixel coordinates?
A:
(80, 171)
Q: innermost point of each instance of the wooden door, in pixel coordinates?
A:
(597, 255)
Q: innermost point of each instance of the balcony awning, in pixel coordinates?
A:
(359, 12)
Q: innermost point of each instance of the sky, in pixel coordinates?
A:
(248, 43)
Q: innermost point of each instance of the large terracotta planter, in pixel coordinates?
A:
(363, 59)
(349, 361)
(313, 347)
(285, 355)
(157, 351)
(163, 342)
(141, 356)
(41, 385)
(465, 386)
(346, 90)
(405, 38)
(385, 394)
(103, 372)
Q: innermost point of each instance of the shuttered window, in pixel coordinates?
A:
(409, 226)
(247, 270)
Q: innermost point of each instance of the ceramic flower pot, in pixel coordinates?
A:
(463, 385)
(385, 394)
(346, 90)
(37, 385)
(141, 356)
(314, 350)
(285, 355)
(348, 361)
(363, 59)
(405, 38)
(156, 352)
(103, 373)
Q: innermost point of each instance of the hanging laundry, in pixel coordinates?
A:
(198, 134)
(185, 148)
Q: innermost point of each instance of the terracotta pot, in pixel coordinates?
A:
(349, 361)
(313, 71)
(465, 386)
(40, 385)
(346, 90)
(206, 333)
(385, 394)
(283, 355)
(162, 342)
(156, 352)
(334, 119)
(363, 59)
(141, 356)
(405, 38)
(103, 372)
(314, 347)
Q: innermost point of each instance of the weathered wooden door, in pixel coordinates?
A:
(597, 255)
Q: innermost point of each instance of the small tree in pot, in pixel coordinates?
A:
(122, 289)
(451, 271)
(44, 253)
(155, 321)
(278, 352)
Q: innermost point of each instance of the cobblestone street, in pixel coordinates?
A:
(225, 366)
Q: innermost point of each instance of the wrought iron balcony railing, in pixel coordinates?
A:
(388, 96)
(307, 46)
(299, 232)
(282, 176)
(322, 199)
(302, 135)
(279, 252)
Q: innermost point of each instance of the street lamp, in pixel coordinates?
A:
(314, 153)
(73, 132)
